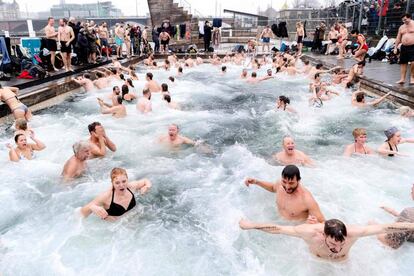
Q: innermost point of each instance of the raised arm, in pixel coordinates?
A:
(39, 145)
(96, 207)
(379, 100)
(142, 185)
(269, 186)
(390, 211)
(407, 140)
(99, 150)
(375, 229)
(13, 156)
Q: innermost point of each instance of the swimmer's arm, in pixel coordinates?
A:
(384, 149)
(379, 100)
(142, 185)
(269, 186)
(95, 206)
(407, 140)
(313, 208)
(13, 89)
(38, 144)
(188, 141)
(110, 144)
(299, 231)
(390, 211)
(13, 156)
(375, 229)
(348, 151)
(101, 150)
(308, 161)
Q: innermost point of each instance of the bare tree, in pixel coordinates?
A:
(311, 4)
(330, 3)
(297, 4)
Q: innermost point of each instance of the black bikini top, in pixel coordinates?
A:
(117, 210)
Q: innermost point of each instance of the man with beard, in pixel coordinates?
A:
(406, 38)
(293, 201)
(175, 140)
(331, 240)
(291, 156)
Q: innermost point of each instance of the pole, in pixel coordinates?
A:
(380, 17)
(136, 6)
(407, 9)
(360, 15)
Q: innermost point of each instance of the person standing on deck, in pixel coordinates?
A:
(65, 38)
(51, 36)
(405, 36)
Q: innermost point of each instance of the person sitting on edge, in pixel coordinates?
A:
(330, 240)
(151, 84)
(24, 150)
(8, 95)
(293, 201)
(358, 99)
(291, 156)
(175, 140)
(389, 148)
(358, 147)
(76, 165)
(395, 240)
(117, 200)
(118, 110)
(85, 81)
(283, 103)
(356, 71)
(144, 103)
(99, 141)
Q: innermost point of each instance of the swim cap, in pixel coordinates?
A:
(389, 133)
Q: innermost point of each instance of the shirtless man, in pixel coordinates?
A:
(293, 201)
(119, 38)
(165, 40)
(331, 240)
(243, 74)
(358, 99)
(8, 95)
(188, 61)
(101, 81)
(395, 240)
(151, 84)
(265, 36)
(65, 38)
(103, 36)
(255, 79)
(170, 103)
(291, 156)
(306, 67)
(51, 36)
(76, 165)
(356, 71)
(144, 103)
(300, 33)
(114, 95)
(175, 140)
(405, 36)
(118, 110)
(85, 82)
(99, 141)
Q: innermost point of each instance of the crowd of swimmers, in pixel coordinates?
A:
(329, 239)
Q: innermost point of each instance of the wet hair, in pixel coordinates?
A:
(132, 73)
(319, 66)
(406, 15)
(167, 61)
(64, 20)
(284, 99)
(167, 98)
(99, 75)
(121, 76)
(362, 62)
(92, 127)
(125, 90)
(355, 31)
(129, 81)
(278, 69)
(87, 76)
(290, 172)
(164, 87)
(115, 87)
(113, 70)
(150, 75)
(171, 78)
(145, 91)
(117, 172)
(335, 229)
(154, 63)
(223, 68)
(254, 74)
(359, 97)
(80, 145)
(16, 138)
(358, 132)
(21, 124)
(180, 69)
(306, 62)
(317, 75)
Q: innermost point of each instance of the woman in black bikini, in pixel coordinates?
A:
(119, 199)
(358, 147)
(389, 148)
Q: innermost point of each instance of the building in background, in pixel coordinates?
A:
(9, 11)
(98, 9)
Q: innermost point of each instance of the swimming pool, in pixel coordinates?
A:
(188, 223)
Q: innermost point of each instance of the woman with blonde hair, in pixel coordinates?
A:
(119, 198)
(359, 146)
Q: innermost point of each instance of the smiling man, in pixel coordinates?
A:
(331, 240)
(293, 201)
(291, 156)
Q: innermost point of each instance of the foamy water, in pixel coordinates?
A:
(188, 223)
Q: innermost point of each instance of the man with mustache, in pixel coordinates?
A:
(291, 156)
(293, 201)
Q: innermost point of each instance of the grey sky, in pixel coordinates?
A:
(129, 6)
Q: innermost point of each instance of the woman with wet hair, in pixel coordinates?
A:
(283, 103)
(24, 150)
(359, 146)
(390, 147)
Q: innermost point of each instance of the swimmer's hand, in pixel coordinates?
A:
(99, 211)
(8, 145)
(250, 181)
(245, 224)
(312, 220)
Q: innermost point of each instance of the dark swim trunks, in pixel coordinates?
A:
(51, 45)
(407, 54)
(64, 48)
(334, 40)
(300, 39)
(395, 240)
(266, 39)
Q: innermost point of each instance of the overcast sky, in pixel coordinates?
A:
(128, 7)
